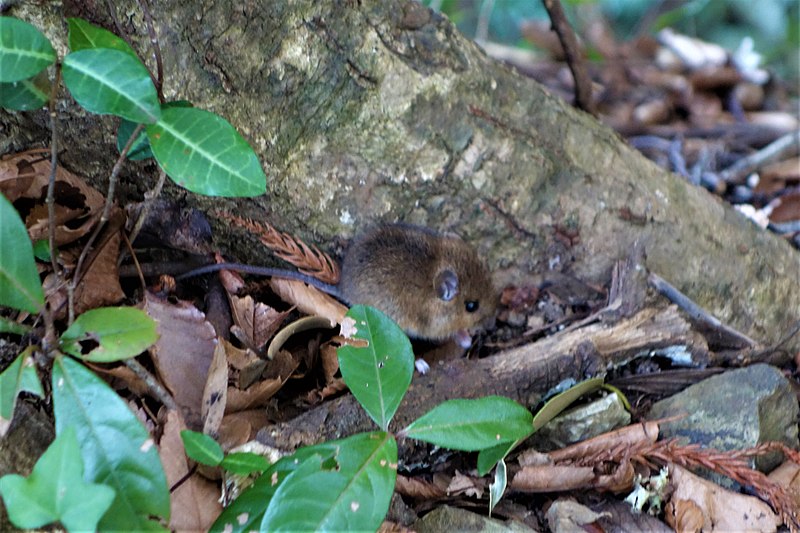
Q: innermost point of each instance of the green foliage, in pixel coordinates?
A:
(56, 491)
(108, 81)
(83, 36)
(140, 149)
(117, 450)
(473, 425)
(20, 287)
(379, 374)
(118, 332)
(203, 153)
(9, 326)
(244, 463)
(202, 448)
(19, 376)
(24, 51)
(25, 95)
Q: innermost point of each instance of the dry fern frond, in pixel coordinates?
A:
(308, 259)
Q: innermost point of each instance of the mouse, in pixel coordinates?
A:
(432, 284)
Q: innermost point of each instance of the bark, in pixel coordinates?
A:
(364, 110)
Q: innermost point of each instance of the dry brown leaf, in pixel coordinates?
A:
(309, 300)
(787, 475)
(625, 437)
(246, 364)
(418, 489)
(466, 485)
(194, 504)
(332, 389)
(234, 431)
(256, 321)
(183, 353)
(255, 396)
(787, 210)
(100, 286)
(330, 361)
(567, 515)
(127, 376)
(215, 393)
(720, 509)
(553, 478)
(26, 175)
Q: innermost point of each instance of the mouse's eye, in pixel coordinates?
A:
(471, 306)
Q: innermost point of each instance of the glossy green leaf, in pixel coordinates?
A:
(107, 81)
(140, 149)
(473, 425)
(9, 326)
(353, 496)
(379, 374)
(203, 153)
(489, 457)
(27, 94)
(111, 333)
(55, 491)
(559, 402)
(84, 35)
(41, 250)
(201, 448)
(116, 448)
(19, 376)
(244, 463)
(24, 50)
(247, 511)
(20, 287)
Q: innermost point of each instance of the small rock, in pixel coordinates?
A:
(735, 410)
(446, 519)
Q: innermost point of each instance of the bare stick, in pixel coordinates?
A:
(152, 384)
(696, 313)
(583, 84)
(112, 186)
(149, 198)
(785, 146)
(51, 183)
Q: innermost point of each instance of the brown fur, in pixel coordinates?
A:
(393, 268)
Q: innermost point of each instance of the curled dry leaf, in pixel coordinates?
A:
(78, 206)
(309, 300)
(418, 489)
(466, 485)
(194, 503)
(568, 515)
(256, 322)
(719, 508)
(215, 392)
(183, 353)
(255, 396)
(246, 365)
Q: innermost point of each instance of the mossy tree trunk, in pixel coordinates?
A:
(379, 109)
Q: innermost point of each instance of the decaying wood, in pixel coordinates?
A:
(523, 374)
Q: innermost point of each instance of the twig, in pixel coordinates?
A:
(51, 183)
(149, 198)
(785, 146)
(151, 32)
(152, 384)
(575, 61)
(696, 313)
(112, 185)
(135, 260)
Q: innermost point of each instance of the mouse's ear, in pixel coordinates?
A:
(446, 284)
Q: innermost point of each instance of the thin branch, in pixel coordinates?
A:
(152, 383)
(784, 147)
(149, 198)
(51, 183)
(112, 185)
(572, 53)
(151, 32)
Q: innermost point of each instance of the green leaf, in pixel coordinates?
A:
(24, 50)
(203, 153)
(379, 374)
(20, 287)
(117, 450)
(118, 332)
(9, 326)
(201, 448)
(19, 376)
(561, 401)
(83, 36)
(140, 149)
(489, 457)
(55, 491)
(247, 511)
(107, 81)
(473, 425)
(498, 487)
(353, 496)
(27, 94)
(41, 250)
(244, 463)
